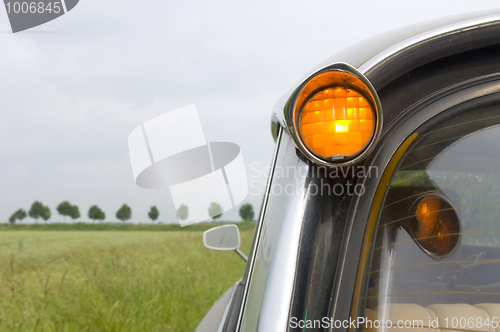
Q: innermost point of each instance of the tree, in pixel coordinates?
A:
(246, 212)
(64, 209)
(124, 213)
(36, 210)
(18, 215)
(215, 211)
(21, 214)
(74, 212)
(183, 212)
(153, 213)
(95, 213)
(13, 218)
(46, 214)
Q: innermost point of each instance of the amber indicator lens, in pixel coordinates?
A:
(437, 227)
(336, 122)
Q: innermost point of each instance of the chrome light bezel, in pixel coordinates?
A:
(291, 119)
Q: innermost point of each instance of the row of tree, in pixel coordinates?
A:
(124, 213)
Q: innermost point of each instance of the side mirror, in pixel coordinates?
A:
(225, 237)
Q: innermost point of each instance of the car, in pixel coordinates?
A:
(382, 208)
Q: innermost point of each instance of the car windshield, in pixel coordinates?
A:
(435, 253)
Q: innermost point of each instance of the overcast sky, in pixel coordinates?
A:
(73, 89)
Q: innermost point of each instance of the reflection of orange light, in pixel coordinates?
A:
(427, 215)
(435, 225)
(336, 121)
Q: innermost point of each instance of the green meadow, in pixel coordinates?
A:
(111, 277)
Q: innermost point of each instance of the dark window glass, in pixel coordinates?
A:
(435, 254)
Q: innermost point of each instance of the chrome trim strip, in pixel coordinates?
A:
(406, 45)
(258, 230)
(361, 52)
(276, 305)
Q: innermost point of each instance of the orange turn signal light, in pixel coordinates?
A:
(336, 115)
(437, 226)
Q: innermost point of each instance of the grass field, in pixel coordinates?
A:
(113, 280)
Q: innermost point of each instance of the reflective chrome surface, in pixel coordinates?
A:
(283, 176)
(368, 50)
(276, 304)
(257, 235)
(431, 45)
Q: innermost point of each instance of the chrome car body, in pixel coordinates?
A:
(306, 247)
